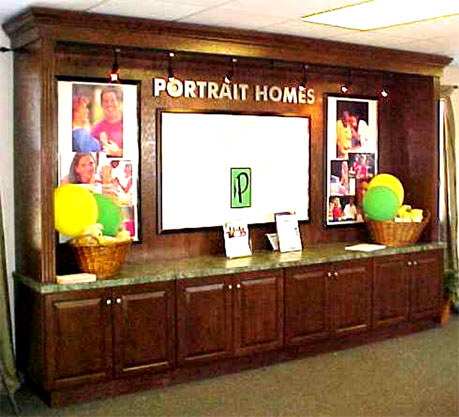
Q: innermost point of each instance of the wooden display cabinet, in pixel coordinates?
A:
(328, 300)
(351, 296)
(102, 334)
(204, 319)
(390, 291)
(407, 287)
(307, 305)
(425, 274)
(222, 317)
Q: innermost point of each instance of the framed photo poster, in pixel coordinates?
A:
(351, 156)
(98, 142)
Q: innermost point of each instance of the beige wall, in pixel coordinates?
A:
(451, 77)
(6, 154)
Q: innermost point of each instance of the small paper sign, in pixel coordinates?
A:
(288, 232)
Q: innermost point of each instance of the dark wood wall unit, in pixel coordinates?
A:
(30, 199)
(56, 43)
(30, 334)
(414, 143)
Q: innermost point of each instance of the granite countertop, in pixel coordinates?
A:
(158, 271)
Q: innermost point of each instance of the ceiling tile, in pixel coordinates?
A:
(228, 17)
(425, 46)
(371, 38)
(287, 8)
(446, 46)
(426, 29)
(163, 10)
(11, 8)
(299, 28)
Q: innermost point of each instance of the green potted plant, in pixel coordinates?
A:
(451, 293)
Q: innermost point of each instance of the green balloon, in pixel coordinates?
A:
(110, 215)
(380, 203)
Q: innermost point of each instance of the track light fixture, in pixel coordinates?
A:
(304, 80)
(346, 86)
(384, 93)
(170, 72)
(114, 75)
(228, 78)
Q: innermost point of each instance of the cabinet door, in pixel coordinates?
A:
(79, 338)
(390, 291)
(426, 283)
(258, 311)
(144, 328)
(307, 305)
(351, 296)
(204, 319)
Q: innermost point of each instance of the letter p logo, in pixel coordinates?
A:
(241, 187)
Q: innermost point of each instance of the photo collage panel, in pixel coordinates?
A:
(98, 143)
(351, 157)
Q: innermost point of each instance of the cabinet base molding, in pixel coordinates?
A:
(195, 372)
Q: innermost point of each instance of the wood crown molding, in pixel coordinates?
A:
(90, 28)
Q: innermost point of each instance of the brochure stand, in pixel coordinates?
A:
(236, 239)
(288, 232)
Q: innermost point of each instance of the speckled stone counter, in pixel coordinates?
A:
(157, 271)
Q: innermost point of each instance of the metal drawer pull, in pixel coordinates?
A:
(108, 301)
(336, 274)
(329, 274)
(410, 263)
(238, 285)
(230, 287)
(118, 301)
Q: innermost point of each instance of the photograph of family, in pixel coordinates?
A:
(98, 142)
(352, 143)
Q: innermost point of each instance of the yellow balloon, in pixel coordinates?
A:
(391, 182)
(74, 209)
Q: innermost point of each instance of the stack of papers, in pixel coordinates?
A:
(76, 278)
(365, 247)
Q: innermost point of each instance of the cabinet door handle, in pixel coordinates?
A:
(415, 263)
(230, 287)
(410, 263)
(238, 286)
(108, 301)
(329, 274)
(118, 300)
(336, 274)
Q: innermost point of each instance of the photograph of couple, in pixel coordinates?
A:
(352, 130)
(97, 119)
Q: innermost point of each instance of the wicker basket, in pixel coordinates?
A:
(102, 259)
(396, 234)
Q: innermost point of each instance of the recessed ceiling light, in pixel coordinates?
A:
(377, 14)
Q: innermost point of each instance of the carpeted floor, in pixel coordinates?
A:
(415, 375)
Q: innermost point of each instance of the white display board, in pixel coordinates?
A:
(197, 152)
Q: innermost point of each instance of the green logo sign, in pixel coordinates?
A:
(241, 187)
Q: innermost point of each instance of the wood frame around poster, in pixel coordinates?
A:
(350, 157)
(135, 153)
